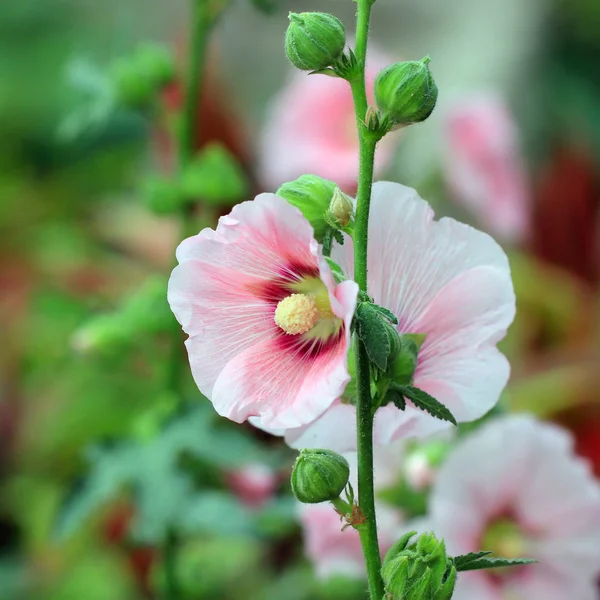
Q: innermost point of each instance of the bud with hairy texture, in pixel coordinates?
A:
(406, 92)
(341, 207)
(419, 570)
(312, 195)
(314, 40)
(319, 476)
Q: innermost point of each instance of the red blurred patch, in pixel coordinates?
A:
(565, 220)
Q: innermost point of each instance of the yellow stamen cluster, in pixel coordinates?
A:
(297, 314)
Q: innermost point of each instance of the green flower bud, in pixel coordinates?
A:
(319, 476)
(419, 570)
(406, 92)
(341, 207)
(312, 195)
(132, 86)
(215, 177)
(156, 64)
(162, 196)
(313, 40)
(405, 363)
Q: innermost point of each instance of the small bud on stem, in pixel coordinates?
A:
(319, 476)
(314, 40)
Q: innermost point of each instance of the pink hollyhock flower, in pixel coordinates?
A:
(253, 484)
(336, 550)
(311, 128)
(269, 330)
(484, 167)
(516, 487)
(443, 279)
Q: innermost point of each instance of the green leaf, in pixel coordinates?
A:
(327, 241)
(427, 403)
(371, 330)
(481, 560)
(396, 398)
(215, 177)
(388, 314)
(339, 236)
(463, 561)
(336, 270)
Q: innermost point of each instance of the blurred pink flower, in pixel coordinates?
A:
(441, 278)
(311, 128)
(269, 330)
(253, 484)
(336, 552)
(516, 487)
(484, 168)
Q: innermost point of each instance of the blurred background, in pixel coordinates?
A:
(105, 473)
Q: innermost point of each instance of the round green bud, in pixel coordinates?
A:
(405, 362)
(155, 63)
(161, 195)
(132, 86)
(341, 207)
(313, 40)
(406, 92)
(319, 476)
(312, 195)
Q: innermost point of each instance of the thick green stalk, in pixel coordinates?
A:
(201, 23)
(364, 411)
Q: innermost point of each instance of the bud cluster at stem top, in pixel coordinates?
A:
(419, 570)
(314, 40)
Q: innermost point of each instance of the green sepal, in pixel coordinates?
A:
(423, 588)
(346, 66)
(476, 561)
(373, 333)
(398, 546)
(447, 589)
(215, 177)
(427, 403)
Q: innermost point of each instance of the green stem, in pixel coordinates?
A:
(172, 591)
(364, 409)
(200, 28)
(366, 496)
(201, 24)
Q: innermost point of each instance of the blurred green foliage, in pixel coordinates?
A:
(99, 462)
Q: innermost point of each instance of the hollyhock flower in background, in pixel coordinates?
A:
(484, 167)
(440, 278)
(311, 128)
(336, 550)
(517, 488)
(269, 330)
(253, 484)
